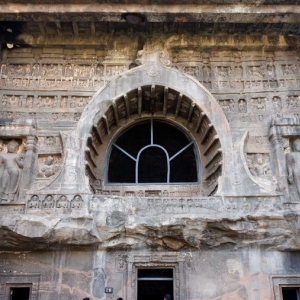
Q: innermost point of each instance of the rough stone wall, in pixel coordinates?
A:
(224, 246)
(78, 273)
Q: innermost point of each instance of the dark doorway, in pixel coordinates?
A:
(154, 283)
(19, 293)
(290, 293)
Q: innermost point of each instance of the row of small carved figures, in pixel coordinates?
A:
(158, 206)
(70, 70)
(67, 70)
(49, 202)
(12, 101)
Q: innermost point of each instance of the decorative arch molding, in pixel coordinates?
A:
(169, 94)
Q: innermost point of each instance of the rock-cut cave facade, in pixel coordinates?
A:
(149, 149)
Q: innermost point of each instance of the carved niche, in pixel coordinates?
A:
(11, 165)
(18, 155)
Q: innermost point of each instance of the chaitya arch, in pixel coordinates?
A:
(154, 91)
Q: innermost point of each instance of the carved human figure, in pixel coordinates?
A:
(68, 70)
(293, 164)
(259, 166)
(49, 168)
(48, 102)
(27, 69)
(10, 165)
(33, 202)
(63, 102)
(29, 102)
(48, 202)
(76, 202)
(242, 104)
(36, 70)
(276, 103)
(62, 202)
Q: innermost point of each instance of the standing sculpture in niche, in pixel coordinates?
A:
(293, 164)
(10, 165)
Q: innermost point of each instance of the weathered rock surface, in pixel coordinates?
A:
(135, 224)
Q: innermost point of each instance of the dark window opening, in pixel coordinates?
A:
(154, 283)
(290, 293)
(153, 166)
(153, 151)
(19, 293)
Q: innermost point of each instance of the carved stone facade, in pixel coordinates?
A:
(78, 82)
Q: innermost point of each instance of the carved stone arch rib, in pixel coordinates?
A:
(153, 90)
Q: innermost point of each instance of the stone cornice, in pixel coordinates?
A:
(152, 13)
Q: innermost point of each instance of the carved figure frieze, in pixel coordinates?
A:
(228, 105)
(256, 71)
(192, 71)
(79, 102)
(292, 101)
(223, 71)
(50, 144)
(11, 165)
(47, 102)
(258, 104)
(288, 69)
(12, 101)
(155, 206)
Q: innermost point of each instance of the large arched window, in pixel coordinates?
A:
(153, 151)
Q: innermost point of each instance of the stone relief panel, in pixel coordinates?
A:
(49, 165)
(11, 164)
(49, 203)
(63, 72)
(144, 207)
(259, 164)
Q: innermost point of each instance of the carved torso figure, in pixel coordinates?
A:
(48, 202)
(49, 168)
(259, 167)
(62, 202)
(293, 165)
(10, 165)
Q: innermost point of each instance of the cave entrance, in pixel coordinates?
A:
(154, 283)
(19, 293)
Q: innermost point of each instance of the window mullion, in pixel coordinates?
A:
(181, 150)
(124, 152)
